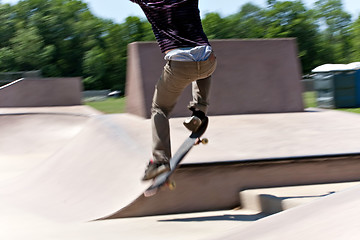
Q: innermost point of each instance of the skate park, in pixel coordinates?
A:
(272, 169)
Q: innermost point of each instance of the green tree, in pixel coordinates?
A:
(65, 25)
(7, 59)
(7, 26)
(356, 40)
(29, 50)
(134, 29)
(7, 31)
(216, 27)
(94, 66)
(116, 55)
(63, 38)
(337, 32)
(248, 23)
(292, 19)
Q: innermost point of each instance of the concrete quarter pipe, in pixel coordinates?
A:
(96, 172)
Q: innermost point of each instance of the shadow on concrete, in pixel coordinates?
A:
(226, 217)
(297, 197)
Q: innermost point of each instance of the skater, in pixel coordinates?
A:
(190, 59)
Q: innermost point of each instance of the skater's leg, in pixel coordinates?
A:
(201, 93)
(201, 87)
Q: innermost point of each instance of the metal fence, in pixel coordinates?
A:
(8, 77)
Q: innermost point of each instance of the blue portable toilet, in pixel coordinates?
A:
(337, 85)
(355, 66)
(357, 76)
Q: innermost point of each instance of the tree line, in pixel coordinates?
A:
(63, 38)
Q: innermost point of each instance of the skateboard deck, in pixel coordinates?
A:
(164, 178)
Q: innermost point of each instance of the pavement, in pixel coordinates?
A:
(332, 217)
(71, 166)
(190, 226)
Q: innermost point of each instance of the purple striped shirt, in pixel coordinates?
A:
(175, 23)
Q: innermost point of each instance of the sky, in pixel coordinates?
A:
(118, 10)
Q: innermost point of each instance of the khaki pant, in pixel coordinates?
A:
(175, 77)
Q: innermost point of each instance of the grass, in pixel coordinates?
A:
(117, 105)
(110, 105)
(353, 110)
(310, 101)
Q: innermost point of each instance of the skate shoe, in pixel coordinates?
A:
(194, 122)
(154, 169)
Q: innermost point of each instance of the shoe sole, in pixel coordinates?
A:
(155, 174)
(192, 124)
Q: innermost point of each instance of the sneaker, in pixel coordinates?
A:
(154, 169)
(194, 122)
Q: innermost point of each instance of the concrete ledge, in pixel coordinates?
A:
(252, 76)
(274, 200)
(214, 187)
(41, 92)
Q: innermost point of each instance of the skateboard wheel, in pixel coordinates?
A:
(172, 185)
(204, 141)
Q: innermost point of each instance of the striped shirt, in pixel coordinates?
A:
(175, 23)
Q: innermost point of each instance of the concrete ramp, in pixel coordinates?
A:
(28, 137)
(36, 134)
(96, 173)
(252, 76)
(40, 92)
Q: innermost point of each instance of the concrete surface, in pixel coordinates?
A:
(41, 92)
(274, 200)
(252, 76)
(81, 110)
(335, 217)
(194, 226)
(102, 164)
(111, 150)
(269, 136)
(29, 136)
(95, 170)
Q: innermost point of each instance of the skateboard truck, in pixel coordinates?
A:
(171, 184)
(201, 140)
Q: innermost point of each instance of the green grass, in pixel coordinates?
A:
(117, 105)
(110, 105)
(353, 110)
(310, 101)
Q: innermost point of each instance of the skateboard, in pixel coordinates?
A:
(164, 178)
